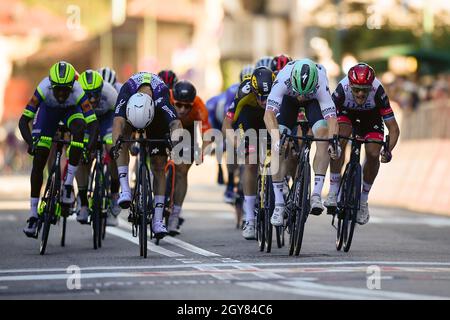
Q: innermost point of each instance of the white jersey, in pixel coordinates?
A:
(282, 86)
(107, 101)
(45, 91)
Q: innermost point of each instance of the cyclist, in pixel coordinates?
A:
(102, 97)
(279, 62)
(247, 113)
(361, 96)
(58, 97)
(265, 61)
(302, 83)
(217, 108)
(190, 108)
(109, 75)
(169, 77)
(159, 120)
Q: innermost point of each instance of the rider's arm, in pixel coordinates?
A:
(28, 115)
(91, 120)
(273, 106)
(384, 107)
(327, 104)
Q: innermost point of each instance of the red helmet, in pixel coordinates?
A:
(361, 75)
(278, 62)
(169, 77)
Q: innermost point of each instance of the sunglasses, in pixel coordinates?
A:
(365, 90)
(94, 94)
(181, 105)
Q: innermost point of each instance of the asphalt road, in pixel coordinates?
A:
(398, 255)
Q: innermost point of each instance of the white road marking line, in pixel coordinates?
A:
(260, 273)
(150, 246)
(192, 261)
(189, 247)
(262, 264)
(219, 276)
(177, 242)
(304, 288)
(430, 221)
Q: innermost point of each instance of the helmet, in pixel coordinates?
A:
(304, 76)
(261, 82)
(62, 74)
(278, 62)
(184, 91)
(246, 72)
(140, 110)
(263, 62)
(108, 75)
(169, 77)
(361, 75)
(91, 81)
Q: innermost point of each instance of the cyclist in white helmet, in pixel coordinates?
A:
(109, 75)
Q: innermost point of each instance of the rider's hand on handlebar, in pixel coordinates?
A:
(386, 156)
(334, 149)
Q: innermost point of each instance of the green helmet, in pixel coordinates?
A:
(91, 80)
(62, 73)
(304, 76)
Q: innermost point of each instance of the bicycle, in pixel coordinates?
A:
(350, 193)
(298, 200)
(49, 209)
(141, 207)
(98, 195)
(264, 207)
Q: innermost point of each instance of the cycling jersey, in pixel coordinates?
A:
(218, 106)
(370, 115)
(43, 97)
(244, 97)
(107, 100)
(282, 86)
(197, 113)
(47, 112)
(377, 99)
(160, 95)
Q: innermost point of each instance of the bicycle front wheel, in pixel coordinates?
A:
(143, 208)
(354, 198)
(304, 207)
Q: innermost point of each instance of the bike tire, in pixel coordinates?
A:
(63, 232)
(268, 210)
(51, 198)
(305, 206)
(341, 211)
(354, 196)
(293, 197)
(260, 230)
(96, 210)
(143, 210)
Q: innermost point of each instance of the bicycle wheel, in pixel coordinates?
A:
(143, 207)
(106, 198)
(354, 194)
(63, 232)
(96, 208)
(50, 200)
(268, 210)
(305, 206)
(341, 209)
(260, 230)
(292, 211)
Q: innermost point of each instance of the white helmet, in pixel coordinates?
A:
(108, 74)
(140, 110)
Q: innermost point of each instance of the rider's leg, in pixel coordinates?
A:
(181, 185)
(370, 168)
(345, 129)
(122, 128)
(158, 162)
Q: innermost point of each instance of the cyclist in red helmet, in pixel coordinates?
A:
(360, 96)
(278, 62)
(169, 77)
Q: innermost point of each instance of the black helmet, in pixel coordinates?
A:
(184, 91)
(169, 77)
(261, 82)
